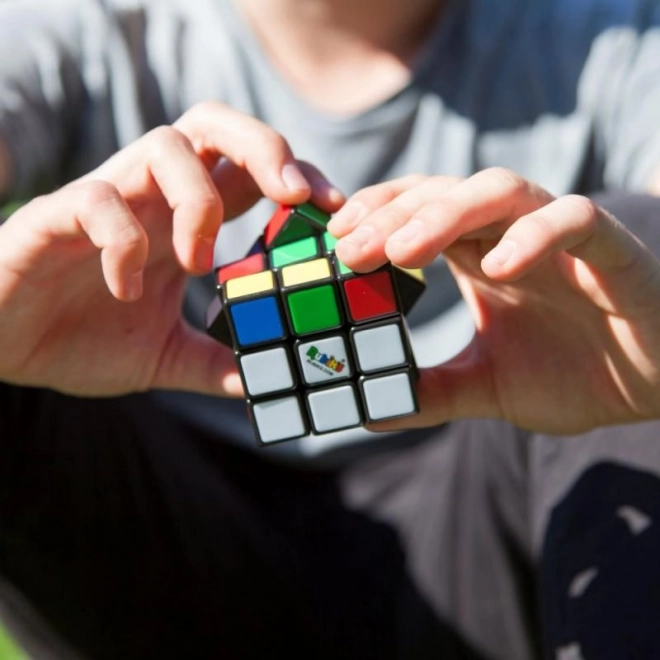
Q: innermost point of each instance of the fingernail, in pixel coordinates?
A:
(204, 253)
(410, 232)
(134, 286)
(501, 253)
(293, 178)
(346, 218)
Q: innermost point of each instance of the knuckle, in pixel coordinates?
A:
(269, 139)
(206, 205)
(130, 236)
(162, 138)
(95, 193)
(583, 211)
(507, 179)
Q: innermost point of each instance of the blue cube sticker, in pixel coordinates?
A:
(257, 321)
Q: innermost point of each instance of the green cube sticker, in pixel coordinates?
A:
(343, 268)
(292, 253)
(329, 241)
(320, 218)
(314, 310)
(296, 227)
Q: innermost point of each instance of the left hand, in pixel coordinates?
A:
(566, 301)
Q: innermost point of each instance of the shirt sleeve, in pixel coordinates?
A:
(52, 70)
(628, 106)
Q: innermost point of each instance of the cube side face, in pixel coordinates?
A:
(370, 296)
(410, 284)
(319, 348)
(217, 323)
(319, 219)
(251, 265)
(286, 226)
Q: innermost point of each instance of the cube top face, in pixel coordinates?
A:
(291, 253)
(329, 242)
(317, 345)
(307, 272)
(250, 285)
(414, 273)
(289, 224)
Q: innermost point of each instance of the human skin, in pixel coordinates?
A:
(92, 276)
(69, 327)
(566, 301)
(341, 56)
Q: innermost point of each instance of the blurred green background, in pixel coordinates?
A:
(9, 650)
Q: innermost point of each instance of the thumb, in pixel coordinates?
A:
(194, 362)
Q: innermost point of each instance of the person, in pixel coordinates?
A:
(519, 521)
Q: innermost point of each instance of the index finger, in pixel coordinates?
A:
(216, 130)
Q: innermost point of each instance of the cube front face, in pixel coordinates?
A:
(267, 371)
(319, 348)
(324, 360)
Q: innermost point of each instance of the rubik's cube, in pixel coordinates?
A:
(319, 347)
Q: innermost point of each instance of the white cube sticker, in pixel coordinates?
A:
(279, 419)
(379, 348)
(324, 360)
(266, 371)
(333, 409)
(389, 396)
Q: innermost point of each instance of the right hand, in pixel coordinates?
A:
(100, 327)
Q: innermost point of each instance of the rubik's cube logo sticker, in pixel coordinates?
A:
(319, 347)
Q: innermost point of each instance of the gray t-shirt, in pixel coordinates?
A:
(565, 93)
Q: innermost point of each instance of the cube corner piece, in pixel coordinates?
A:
(410, 284)
(217, 324)
(292, 223)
